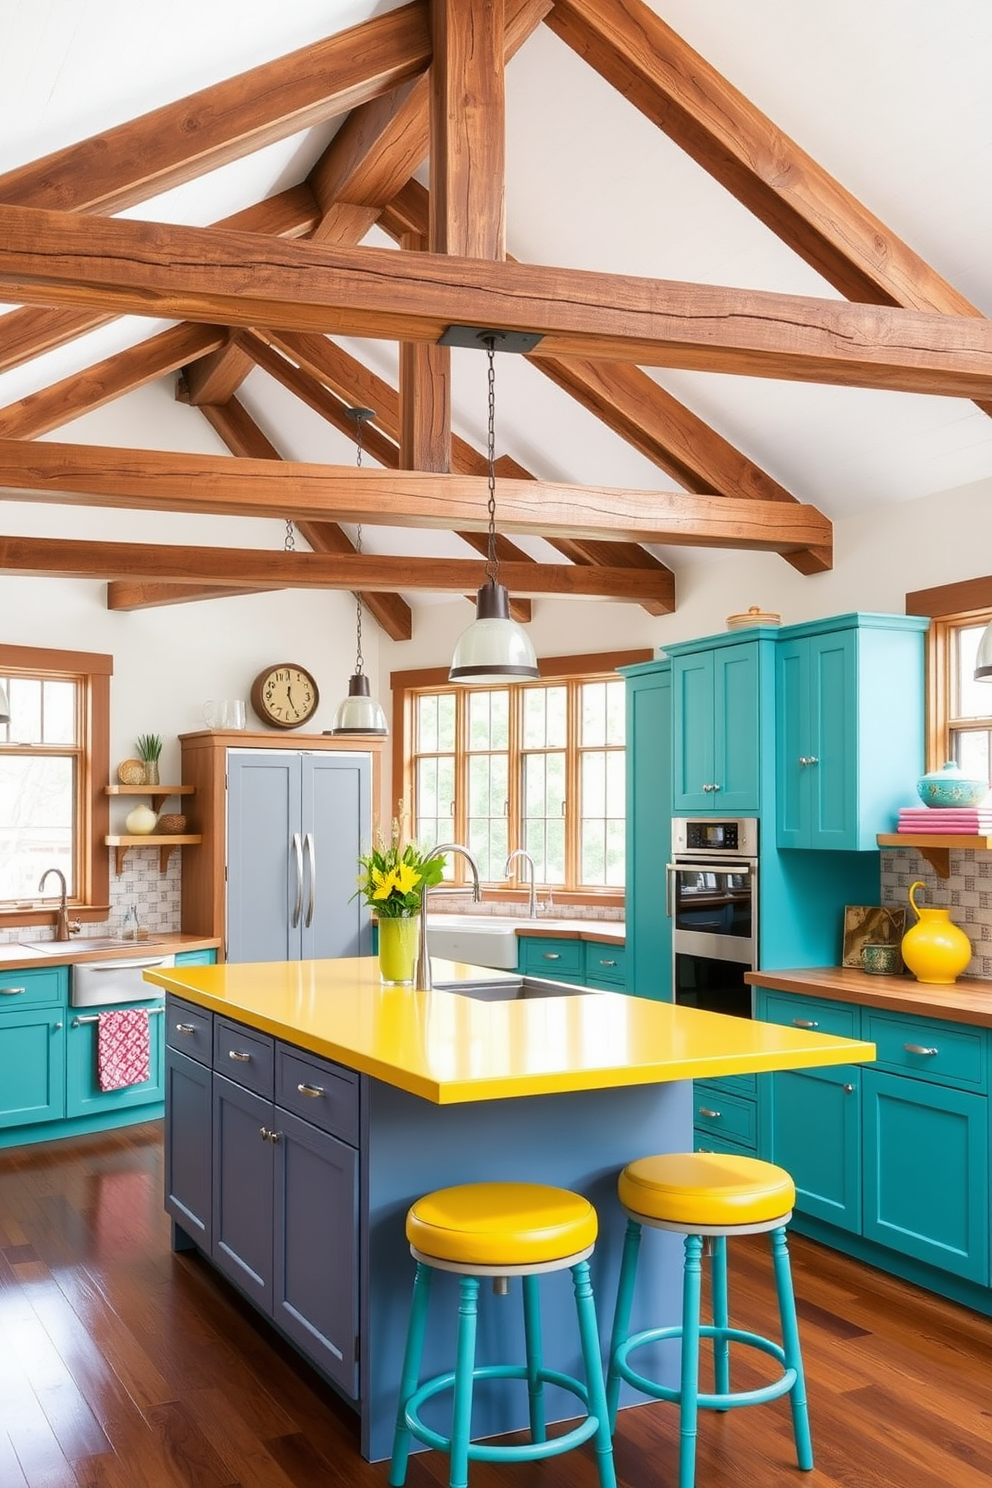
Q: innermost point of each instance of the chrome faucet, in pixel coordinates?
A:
(422, 979)
(521, 852)
(61, 918)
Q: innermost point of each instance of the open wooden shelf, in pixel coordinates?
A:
(158, 794)
(935, 846)
(149, 839)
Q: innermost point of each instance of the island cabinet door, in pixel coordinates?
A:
(926, 1177)
(810, 1124)
(187, 1145)
(243, 1165)
(315, 1290)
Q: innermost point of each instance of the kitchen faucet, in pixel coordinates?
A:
(422, 979)
(521, 852)
(62, 918)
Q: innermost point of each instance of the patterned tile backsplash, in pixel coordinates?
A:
(967, 893)
(155, 895)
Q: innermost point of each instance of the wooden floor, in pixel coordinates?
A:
(124, 1366)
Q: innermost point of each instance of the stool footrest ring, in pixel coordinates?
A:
(720, 1402)
(523, 1451)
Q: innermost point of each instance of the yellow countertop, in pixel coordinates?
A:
(17, 955)
(968, 1000)
(450, 1048)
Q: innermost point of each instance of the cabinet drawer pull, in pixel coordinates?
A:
(607, 963)
(314, 1090)
(267, 1135)
(920, 1049)
(713, 1115)
(186, 1028)
(239, 1056)
(805, 1023)
(551, 955)
(12, 991)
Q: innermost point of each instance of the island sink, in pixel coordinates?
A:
(515, 989)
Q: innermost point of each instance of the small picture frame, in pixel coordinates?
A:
(870, 924)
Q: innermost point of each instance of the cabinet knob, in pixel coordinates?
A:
(812, 760)
(920, 1049)
(239, 1056)
(848, 1089)
(803, 760)
(314, 1090)
(56, 1025)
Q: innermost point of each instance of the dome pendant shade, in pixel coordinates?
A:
(359, 713)
(493, 646)
(983, 658)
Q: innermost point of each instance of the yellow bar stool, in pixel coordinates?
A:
(699, 1194)
(501, 1230)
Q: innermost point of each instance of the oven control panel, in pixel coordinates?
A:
(713, 835)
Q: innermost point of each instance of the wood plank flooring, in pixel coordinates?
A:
(124, 1366)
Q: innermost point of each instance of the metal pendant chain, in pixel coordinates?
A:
(492, 561)
(359, 415)
(290, 543)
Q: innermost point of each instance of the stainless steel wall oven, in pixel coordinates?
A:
(713, 902)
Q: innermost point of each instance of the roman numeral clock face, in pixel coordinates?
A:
(285, 696)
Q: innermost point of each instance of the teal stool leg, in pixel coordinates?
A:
(791, 1348)
(532, 1336)
(592, 1361)
(688, 1398)
(461, 1421)
(721, 1316)
(416, 1328)
(621, 1312)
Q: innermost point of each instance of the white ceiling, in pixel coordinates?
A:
(891, 96)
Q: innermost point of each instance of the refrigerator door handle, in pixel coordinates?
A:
(298, 858)
(312, 858)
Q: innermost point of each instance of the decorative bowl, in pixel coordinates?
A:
(131, 772)
(171, 824)
(950, 786)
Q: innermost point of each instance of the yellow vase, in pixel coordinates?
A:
(935, 949)
(398, 940)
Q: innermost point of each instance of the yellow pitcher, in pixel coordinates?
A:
(935, 949)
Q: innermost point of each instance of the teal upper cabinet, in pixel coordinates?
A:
(850, 728)
(722, 693)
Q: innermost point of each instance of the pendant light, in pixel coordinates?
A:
(359, 712)
(494, 646)
(983, 656)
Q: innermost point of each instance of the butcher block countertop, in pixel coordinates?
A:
(968, 1000)
(18, 955)
(448, 1047)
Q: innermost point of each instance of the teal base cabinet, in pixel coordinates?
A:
(725, 1113)
(583, 963)
(890, 1161)
(48, 1071)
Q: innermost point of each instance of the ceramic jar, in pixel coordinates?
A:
(934, 949)
(140, 821)
(950, 786)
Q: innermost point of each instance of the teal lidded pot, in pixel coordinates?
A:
(950, 786)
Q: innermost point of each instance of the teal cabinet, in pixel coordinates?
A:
(717, 728)
(550, 956)
(895, 1153)
(83, 1096)
(605, 965)
(850, 735)
(649, 829)
(196, 958)
(719, 1112)
(32, 1046)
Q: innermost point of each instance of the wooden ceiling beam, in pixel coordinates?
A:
(245, 439)
(28, 332)
(228, 278)
(229, 119)
(247, 568)
(101, 383)
(468, 129)
(123, 595)
(91, 475)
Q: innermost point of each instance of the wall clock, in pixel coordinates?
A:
(285, 695)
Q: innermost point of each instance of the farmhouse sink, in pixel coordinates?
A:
(479, 940)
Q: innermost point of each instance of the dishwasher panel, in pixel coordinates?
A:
(110, 983)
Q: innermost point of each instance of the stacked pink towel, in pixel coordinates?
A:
(971, 821)
(123, 1049)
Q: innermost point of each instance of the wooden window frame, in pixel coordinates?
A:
(405, 686)
(949, 607)
(93, 670)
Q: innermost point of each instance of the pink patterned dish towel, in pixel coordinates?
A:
(123, 1049)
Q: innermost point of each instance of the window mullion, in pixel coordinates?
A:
(572, 787)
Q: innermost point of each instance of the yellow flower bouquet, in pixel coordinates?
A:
(393, 879)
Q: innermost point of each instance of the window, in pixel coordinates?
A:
(535, 765)
(53, 769)
(961, 708)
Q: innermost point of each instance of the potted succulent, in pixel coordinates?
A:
(149, 747)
